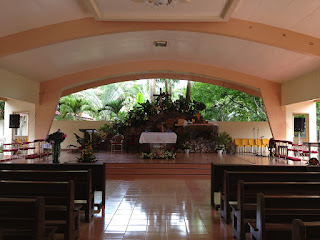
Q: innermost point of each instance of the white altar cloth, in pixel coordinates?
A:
(158, 137)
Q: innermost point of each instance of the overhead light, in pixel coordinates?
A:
(160, 43)
(157, 3)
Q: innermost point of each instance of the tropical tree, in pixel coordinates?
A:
(115, 106)
(72, 107)
(189, 90)
(225, 104)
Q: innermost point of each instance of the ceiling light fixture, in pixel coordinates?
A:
(160, 43)
(157, 3)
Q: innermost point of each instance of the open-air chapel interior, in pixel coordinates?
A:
(165, 168)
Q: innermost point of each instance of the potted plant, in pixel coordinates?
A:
(223, 139)
(186, 146)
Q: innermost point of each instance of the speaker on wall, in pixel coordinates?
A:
(14, 121)
(299, 124)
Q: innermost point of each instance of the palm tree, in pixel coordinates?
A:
(71, 107)
(115, 106)
(189, 90)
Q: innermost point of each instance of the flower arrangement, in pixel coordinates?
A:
(87, 155)
(186, 145)
(159, 154)
(56, 139)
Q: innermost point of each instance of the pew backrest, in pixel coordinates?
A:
(284, 209)
(217, 173)
(98, 172)
(22, 218)
(58, 197)
(305, 230)
(231, 179)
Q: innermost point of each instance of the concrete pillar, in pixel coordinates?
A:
(45, 111)
(276, 113)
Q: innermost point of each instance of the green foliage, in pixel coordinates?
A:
(225, 104)
(138, 115)
(2, 103)
(56, 137)
(71, 107)
(107, 129)
(114, 107)
(318, 115)
(223, 139)
(159, 154)
(118, 126)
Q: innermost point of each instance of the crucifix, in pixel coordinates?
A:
(160, 96)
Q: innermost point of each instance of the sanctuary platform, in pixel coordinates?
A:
(198, 165)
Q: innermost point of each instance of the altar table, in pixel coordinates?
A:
(158, 137)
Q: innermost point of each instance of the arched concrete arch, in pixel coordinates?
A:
(51, 90)
(204, 79)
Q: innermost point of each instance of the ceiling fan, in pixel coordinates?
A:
(162, 2)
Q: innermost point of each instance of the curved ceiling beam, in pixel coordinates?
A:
(88, 27)
(132, 77)
(157, 66)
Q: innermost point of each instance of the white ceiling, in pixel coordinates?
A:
(68, 57)
(21, 15)
(297, 15)
(56, 60)
(137, 10)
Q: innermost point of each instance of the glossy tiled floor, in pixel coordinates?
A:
(165, 208)
(157, 209)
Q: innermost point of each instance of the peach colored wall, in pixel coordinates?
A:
(15, 106)
(71, 127)
(311, 121)
(300, 89)
(245, 129)
(235, 129)
(18, 87)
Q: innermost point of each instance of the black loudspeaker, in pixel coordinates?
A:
(299, 124)
(14, 121)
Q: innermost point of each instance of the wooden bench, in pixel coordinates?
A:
(59, 203)
(275, 214)
(83, 193)
(305, 230)
(98, 174)
(245, 209)
(217, 174)
(231, 179)
(24, 218)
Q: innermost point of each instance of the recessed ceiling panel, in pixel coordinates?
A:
(149, 10)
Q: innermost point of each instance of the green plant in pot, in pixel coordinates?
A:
(186, 146)
(222, 140)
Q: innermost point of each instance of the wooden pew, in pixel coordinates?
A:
(305, 230)
(98, 174)
(276, 213)
(217, 174)
(24, 218)
(82, 182)
(60, 211)
(231, 179)
(245, 209)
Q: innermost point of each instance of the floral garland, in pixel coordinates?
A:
(159, 154)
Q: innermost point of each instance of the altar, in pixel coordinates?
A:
(158, 137)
